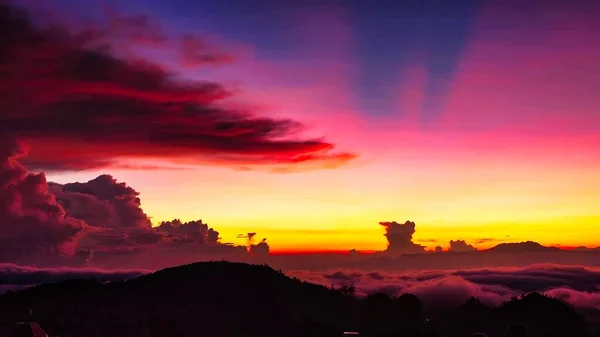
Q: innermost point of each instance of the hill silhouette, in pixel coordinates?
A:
(220, 298)
(235, 299)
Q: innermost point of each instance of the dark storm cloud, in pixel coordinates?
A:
(102, 202)
(400, 236)
(80, 107)
(31, 221)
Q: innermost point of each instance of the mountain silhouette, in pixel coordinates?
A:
(522, 247)
(585, 249)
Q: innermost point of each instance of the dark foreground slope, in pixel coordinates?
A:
(233, 299)
(215, 298)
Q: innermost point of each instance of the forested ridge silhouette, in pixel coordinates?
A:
(236, 299)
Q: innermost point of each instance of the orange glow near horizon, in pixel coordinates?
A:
(296, 215)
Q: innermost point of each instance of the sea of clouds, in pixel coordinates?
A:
(578, 285)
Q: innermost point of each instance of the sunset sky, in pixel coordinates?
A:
(478, 121)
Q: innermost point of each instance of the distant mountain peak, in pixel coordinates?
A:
(522, 247)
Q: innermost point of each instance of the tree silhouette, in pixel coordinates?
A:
(379, 312)
(517, 330)
(408, 308)
(347, 289)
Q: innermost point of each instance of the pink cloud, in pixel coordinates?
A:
(63, 70)
(580, 298)
(575, 284)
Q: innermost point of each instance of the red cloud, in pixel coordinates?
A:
(102, 202)
(81, 107)
(31, 221)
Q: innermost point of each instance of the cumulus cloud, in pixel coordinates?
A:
(260, 249)
(32, 223)
(460, 246)
(399, 237)
(578, 285)
(102, 202)
(80, 107)
(176, 242)
(196, 231)
(400, 241)
(99, 222)
(118, 224)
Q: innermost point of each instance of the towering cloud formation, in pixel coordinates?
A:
(399, 237)
(32, 223)
(100, 221)
(80, 107)
(102, 202)
(118, 225)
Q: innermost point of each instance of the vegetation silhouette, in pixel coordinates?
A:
(517, 330)
(236, 299)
